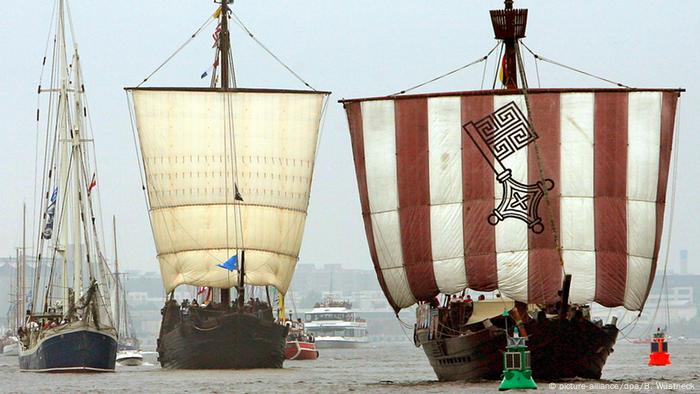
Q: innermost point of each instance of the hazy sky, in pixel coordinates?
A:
(352, 48)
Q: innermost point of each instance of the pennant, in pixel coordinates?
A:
(216, 13)
(92, 184)
(502, 71)
(215, 36)
(238, 196)
(50, 211)
(230, 264)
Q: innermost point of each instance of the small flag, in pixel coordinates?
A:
(201, 290)
(204, 74)
(216, 35)
(92, 184)
(230, 264)
(502, 72)
(238, 196)
(50, 211)
(216, 13)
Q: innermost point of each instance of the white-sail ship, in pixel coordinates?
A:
(68, 325)
(228, 174)
(129, 347)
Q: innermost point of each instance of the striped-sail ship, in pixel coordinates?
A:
(552, 198)
(228, 174)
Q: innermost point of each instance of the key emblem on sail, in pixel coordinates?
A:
(502, 133)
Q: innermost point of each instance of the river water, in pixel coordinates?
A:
(380, 368)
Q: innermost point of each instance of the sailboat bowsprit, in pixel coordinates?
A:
(554, 198)
(68, 326)
(228, 174)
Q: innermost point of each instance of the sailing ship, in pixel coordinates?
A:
(228, 174)
(128, 346)
(551, 198)
(9, 343)
(68, 325)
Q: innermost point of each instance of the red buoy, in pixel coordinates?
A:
(659, 355)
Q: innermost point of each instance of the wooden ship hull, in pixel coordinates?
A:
(82, 349)
(211, 339)
(560, 349)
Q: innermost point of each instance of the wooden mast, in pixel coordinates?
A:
(17, 323)
(21, 268)
(116, 275)
(509, 26)
(224, 50)
(224, 45)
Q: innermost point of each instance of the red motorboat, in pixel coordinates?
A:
(300, 344)
(300, 350)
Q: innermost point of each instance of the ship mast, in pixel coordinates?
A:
(224, 45)
(509, 26)
(226, 83)
(21, 264)
(116, 275)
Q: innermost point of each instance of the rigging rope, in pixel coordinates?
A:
(206, 23)
(498, 64)
(240, 23)
(479, 60)
(36, 202)
(672, 207)
(544, 59)
(537, 71)
(540, 165)
(483, 75)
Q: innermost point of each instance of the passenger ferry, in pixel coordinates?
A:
(335, 325)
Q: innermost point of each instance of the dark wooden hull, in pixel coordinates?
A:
(224, 340)
(559, 350)
(74, 351)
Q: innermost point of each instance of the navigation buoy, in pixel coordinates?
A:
(516, 363)
(659, 355)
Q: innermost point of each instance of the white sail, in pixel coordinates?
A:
(195, 145)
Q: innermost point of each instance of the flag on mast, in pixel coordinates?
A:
(92, 184)
(502, 71)
(50, 211)
(231, 264)
(238, 196)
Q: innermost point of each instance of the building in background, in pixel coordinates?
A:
(145, 297)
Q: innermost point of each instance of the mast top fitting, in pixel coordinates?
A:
(509, 23)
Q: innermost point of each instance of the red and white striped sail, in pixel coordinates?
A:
(427, 191)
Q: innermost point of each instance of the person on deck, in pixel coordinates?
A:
(468, 300)
(435, 302)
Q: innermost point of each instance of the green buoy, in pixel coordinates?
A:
(516, 363)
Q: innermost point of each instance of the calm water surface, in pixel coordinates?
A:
(380, 368)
